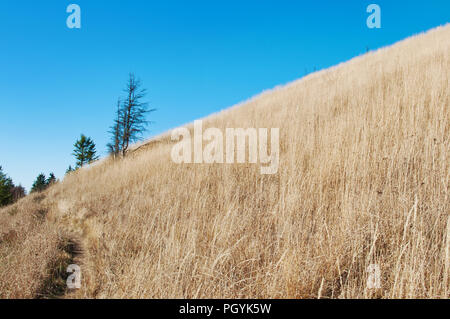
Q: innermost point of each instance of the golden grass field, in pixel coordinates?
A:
(363, 179)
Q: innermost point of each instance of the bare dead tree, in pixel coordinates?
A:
(133, 113)
(17, 193)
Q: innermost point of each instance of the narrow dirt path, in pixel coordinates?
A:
(55, 285)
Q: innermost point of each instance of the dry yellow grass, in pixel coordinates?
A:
(363, 179)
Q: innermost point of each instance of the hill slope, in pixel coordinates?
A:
(363, 179)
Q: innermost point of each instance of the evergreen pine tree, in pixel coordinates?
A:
(6, 186)
(51, 179)
(84, 151)
(69, 170)
(39, 184)
(116, 132)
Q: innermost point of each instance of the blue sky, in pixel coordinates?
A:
(194, 57)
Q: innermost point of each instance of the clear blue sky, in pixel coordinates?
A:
(194, 57)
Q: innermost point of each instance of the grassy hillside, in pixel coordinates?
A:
(363, 179)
